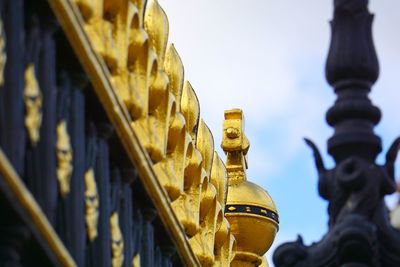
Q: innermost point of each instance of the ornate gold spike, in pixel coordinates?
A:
(164, 112)
(33, 104)
(156, 110)
(92, 204)
(64, 158)
(160, 103)
(190, 109)
(186, 161)
(205, 144)
(208, 199)
(210, 210)
(212, 244)
(163, 118)
(135, 87)
(142, 67)
(225, 245)
(148, 98)
(127, 55)
(157, 27)
(211, 218)
(178, 141)
(174, 69)
(221, 236)
(219, 179)
(3, 55)
(117, 241)
(189, 200)
(160, 118)
(200, 246)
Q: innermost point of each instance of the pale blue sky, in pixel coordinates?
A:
(267, 57)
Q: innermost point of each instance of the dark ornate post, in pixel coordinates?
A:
(360, 233)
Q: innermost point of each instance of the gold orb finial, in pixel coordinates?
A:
(250, 210)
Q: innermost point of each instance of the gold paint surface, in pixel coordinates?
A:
(117, 241)
(91, 204)
(33, 104)
(247, 224)
(139, 78)
(264, 262)
(73, 23)
(136, 261)
(190, 107)
(64, 158)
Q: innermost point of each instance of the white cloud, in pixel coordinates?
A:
(234, 56)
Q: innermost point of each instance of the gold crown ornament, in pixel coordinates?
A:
(249, 209)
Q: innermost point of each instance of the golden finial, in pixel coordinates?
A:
(235, 144)
(249, 209)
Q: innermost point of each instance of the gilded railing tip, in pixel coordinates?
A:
(249, 208)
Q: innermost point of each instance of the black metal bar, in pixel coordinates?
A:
(359, 233)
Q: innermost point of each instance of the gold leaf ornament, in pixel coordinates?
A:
(91, 204)
(174, 68)
(33, 105)
(117, 241)
(64, 158)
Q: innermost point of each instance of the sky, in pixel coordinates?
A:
(267, 57)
